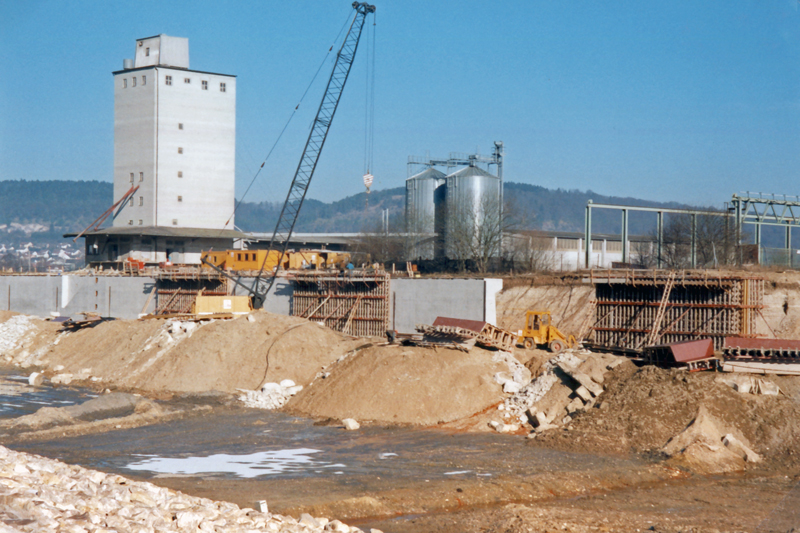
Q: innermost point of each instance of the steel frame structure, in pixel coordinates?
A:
(763, 210)
(766, 210)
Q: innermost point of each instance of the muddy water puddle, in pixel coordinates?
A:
(246, 443)
(18, 398)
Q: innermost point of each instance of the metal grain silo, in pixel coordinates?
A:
(473, 203)
(421, 200)
(424, 192)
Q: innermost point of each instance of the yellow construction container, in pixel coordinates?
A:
(293, 260)
(217, 305)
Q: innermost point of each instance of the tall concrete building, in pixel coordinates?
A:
(174, 138)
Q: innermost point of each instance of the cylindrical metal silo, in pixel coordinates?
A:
(421, 205)
(472, 206)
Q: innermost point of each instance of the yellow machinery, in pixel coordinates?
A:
(539, 331)
(255, 259)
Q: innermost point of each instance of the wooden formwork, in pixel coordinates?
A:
(641, 308)
(354, 303)
(177, 291)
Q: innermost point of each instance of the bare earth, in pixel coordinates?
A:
(639, 412)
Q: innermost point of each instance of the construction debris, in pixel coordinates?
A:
(747, 384)
(90, 320)
(570, 382)
(450, 330)
(705, 447)
(271, 395)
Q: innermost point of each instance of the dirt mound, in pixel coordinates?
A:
(168, 355)
(405, 385)
(642, 409)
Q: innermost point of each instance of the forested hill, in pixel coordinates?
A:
(64, 206)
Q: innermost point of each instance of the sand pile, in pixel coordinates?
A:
(169, 355)
(405, 385)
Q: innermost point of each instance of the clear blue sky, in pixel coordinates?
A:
(682, 100)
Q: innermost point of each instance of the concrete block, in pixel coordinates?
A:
(582, 378)
(740, 449)
(575, 405)
(350, 424)
(583, 393)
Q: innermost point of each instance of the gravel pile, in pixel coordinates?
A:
(40, 494)
(13, 332)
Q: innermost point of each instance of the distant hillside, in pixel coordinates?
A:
(64, 206)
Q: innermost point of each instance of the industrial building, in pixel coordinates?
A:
(174, 159)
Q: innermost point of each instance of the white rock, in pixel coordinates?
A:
(64, 379)
(58, 368)
(308, 520)
(739, 448)
(36, 379)
(270, 387)
(350, 424)
(286, 383)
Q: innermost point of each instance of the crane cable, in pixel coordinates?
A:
(369, 111)
(294, 111)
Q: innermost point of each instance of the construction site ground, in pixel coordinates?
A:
(609, 468)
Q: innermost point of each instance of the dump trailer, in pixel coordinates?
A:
(539, 331)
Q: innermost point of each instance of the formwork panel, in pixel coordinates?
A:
(176, 291)
(631, 305)
(354, 303)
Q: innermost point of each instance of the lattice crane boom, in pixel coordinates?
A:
(311, 152)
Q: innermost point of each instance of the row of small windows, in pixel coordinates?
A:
(168, 81)
(141, 201)
(203, 83)
(141, 174)
(141, 223)
(133, 81)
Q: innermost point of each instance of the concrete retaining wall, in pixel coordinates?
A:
(420, 301)
(414, 301)
(69, 295)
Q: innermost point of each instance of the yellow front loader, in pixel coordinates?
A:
(539, 331)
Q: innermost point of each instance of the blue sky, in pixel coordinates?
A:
(683, 100)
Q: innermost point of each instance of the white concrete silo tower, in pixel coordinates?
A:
(174, 138)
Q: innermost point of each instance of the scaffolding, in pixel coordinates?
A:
(177, 288)
(354, 303)
(635, 309)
